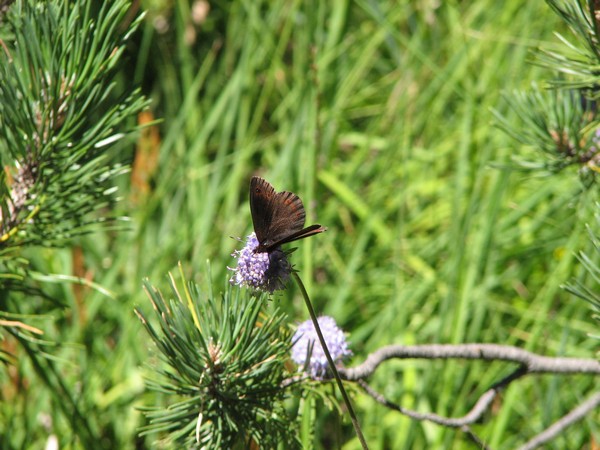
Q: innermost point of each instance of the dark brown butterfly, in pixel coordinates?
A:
(278, 217)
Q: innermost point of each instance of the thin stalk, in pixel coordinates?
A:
(336, 375)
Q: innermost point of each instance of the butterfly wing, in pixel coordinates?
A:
(261, 207)
(288, 216)
(300, 234)
(278, 217)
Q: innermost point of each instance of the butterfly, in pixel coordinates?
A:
(278, 217)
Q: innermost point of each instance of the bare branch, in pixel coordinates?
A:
(529, 363)
(488, 352)
(474, 438)
(566, 421)
(461, 422)
(471, 417)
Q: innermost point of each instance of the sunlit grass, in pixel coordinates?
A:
(378, 114)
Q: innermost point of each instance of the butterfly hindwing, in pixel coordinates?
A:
(288, 216)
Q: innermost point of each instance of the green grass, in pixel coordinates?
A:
(378, 114)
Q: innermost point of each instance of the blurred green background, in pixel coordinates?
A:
(378, 114)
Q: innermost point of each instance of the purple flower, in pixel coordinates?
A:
(307, 341)
(265, 271)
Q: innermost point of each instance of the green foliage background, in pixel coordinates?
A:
(379, 115)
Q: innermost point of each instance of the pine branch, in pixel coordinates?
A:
(560, 125)
(61, 110)
(223, 364)
(60, 113)
(578, 58)
(561, 122)
(579, 289)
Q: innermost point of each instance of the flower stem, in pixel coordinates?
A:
(336, 375)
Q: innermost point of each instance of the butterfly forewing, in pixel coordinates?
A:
(261, 208)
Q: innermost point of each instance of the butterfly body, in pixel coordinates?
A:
(278, 217)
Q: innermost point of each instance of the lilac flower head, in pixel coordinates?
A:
(306, 339)
(265, 271)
